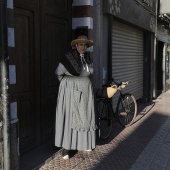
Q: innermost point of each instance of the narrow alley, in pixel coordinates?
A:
(143, 146)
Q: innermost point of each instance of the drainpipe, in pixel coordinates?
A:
(4, 86)
(154, 61)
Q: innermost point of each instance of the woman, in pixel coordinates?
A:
(75, 117)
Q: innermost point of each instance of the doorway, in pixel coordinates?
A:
(160, 47)
(42, 37)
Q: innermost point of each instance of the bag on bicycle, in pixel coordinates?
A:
(106, 92)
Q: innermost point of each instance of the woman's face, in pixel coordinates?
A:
(81, 47)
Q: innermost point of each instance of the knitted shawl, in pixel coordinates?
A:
(72, 62)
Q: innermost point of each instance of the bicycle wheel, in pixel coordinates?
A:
(127, 109)
(105, 118)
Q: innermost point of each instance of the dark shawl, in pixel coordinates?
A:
(72, 62)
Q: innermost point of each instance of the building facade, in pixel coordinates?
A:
(126, 41)
(163, 43)
(129, 44)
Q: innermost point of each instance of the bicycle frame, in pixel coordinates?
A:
(115, 112)
(125, 109)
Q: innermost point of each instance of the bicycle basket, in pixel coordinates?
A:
(111, 91)
(106, 92)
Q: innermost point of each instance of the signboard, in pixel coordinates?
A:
(164, 7)
(133, 12)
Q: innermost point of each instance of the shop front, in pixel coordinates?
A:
(163, 48)
(162, 61)
(131, 38)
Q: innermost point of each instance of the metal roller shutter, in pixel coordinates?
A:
(127, 57)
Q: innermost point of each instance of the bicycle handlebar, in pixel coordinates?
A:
(113, 83)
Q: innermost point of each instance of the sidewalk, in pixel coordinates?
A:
(143, 146)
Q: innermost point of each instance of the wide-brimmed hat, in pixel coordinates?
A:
(82, 39)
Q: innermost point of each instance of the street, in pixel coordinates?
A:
(143, 146)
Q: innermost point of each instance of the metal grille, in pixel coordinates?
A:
(127, 57)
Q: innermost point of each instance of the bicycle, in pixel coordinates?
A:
(125, 112)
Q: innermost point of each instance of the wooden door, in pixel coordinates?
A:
(55, 23)
(42, 36)
(27, 75)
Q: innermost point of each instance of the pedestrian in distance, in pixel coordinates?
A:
(75, 115)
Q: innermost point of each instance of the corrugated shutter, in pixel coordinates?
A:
(127, 57)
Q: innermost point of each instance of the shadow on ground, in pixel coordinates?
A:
(143, 109)
(32, 159)
(129, 148)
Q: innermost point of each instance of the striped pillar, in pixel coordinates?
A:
(12, 67)
(14, 139)
(82, 16)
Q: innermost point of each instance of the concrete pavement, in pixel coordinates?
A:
(143, 146)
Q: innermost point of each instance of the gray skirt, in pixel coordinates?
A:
(66, 136)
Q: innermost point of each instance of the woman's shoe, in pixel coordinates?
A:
(88, 150)
(65, 154)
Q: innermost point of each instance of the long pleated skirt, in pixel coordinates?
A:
(65, 135)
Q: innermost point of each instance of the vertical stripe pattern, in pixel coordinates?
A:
(12, 85)
(12, 66)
